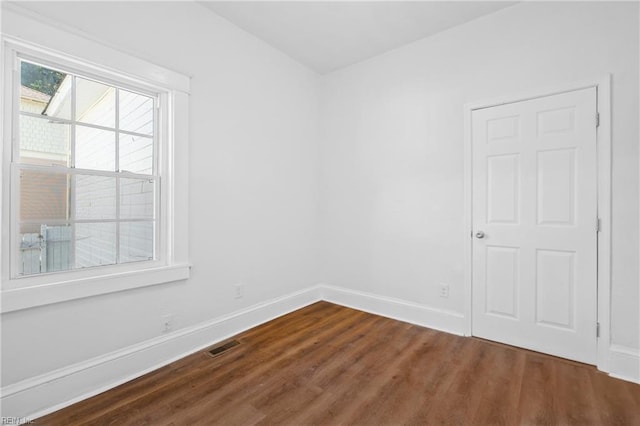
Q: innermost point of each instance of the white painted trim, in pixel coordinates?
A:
(624, 363)
(82, 55)
(55, 292)
(41, 395)
(177, 170)
(603, 85)
(23, 24)
(52, 391)
(604, 213)
(538, 93)
(468, 222)
(402, 310)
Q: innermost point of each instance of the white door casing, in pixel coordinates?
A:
(534, 277)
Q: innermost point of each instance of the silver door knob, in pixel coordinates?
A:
(479, 234)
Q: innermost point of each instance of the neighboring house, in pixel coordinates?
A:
(40, 139)
(45, 197)
(32, 100)
(41, 143)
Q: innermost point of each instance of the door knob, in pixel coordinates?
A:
(479, 234)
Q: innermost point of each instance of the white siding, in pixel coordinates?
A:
(43, 138)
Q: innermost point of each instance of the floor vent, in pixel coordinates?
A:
(219, 350)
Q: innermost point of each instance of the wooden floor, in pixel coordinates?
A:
(327, 364)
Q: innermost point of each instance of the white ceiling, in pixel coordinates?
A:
(328, 35)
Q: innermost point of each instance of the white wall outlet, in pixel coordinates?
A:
(239, 290)
(167, 323)
(444, 290)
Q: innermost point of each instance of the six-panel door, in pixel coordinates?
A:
(535, 200)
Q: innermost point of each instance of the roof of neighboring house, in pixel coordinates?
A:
(32, 94)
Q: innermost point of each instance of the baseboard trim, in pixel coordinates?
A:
(44, 394)
(624, 363)
(402, 310)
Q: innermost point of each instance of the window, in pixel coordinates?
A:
(90, 175)
(86, 183)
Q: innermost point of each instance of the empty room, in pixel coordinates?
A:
(320, 212)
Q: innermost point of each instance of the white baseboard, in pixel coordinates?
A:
(44, 394)
(624, 363)
(402, 310)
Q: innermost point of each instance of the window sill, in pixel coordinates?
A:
(30, 297)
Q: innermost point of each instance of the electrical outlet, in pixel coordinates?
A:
(167, 323)
(239, 290)
(444, 290)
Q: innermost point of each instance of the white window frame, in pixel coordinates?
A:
(160, 105)
(121, 70)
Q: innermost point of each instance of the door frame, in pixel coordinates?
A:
(603, 152)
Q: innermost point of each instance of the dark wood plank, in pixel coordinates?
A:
(501, 394)
(536, 406)
(327, 364)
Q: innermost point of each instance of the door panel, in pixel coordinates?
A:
(502, 281)
(535, 200)
(556, 187)
(555, 281)
(502, 188)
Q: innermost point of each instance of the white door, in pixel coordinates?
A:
(535, 224)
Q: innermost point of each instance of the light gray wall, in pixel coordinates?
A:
(392, 146)
(388, 202)
(253, 184)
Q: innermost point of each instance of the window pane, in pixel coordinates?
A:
(44, 248)
(95, 197)
(44, 91)
(136, 113)
(136, 241)
(72, 218)
(95, 244)
(136, 198)
(95, 149)
(43, 196)
(43, 141)
(136, 154)
(95, 103)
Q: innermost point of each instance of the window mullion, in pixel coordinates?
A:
(156, 170)
(14, 179)
(117, 130)
(89, 125)
(88, 172)
(15, 155)
(72, 178)
(118, 176)
(65, 222)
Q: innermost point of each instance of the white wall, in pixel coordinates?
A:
(392, 146)
(385, 193)
(253, 185)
